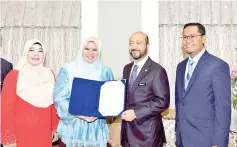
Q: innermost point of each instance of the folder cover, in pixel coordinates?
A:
(97, 98)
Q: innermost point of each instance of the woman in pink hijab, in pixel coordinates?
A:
(28, 115)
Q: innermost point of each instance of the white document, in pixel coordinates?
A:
(112, 96)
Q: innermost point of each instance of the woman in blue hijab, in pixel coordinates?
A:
(81, 131)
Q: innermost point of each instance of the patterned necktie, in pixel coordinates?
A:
(190, 72)
(132, 77)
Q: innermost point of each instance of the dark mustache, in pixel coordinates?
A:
(134, 50)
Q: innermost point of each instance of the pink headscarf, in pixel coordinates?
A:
(35, 84)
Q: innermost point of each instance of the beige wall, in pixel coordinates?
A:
(117, 21)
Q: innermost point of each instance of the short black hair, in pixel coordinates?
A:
(37, 43)
(200, 27)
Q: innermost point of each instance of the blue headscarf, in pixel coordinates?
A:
(81, 68)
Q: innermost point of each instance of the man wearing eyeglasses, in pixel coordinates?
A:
(202, 94)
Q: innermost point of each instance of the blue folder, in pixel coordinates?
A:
(85, 97)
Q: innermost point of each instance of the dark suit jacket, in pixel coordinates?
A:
(5, 68)
(203, 111)
(150, 95)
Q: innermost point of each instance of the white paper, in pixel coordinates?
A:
(112, 95)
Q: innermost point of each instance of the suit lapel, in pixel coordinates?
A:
(199, 66)
(182, 75)
(143, 72)
(128, 71)
(126, 76)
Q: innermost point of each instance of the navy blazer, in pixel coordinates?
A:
(149, 96)
(203, 110)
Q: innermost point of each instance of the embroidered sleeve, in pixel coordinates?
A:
(61, 96)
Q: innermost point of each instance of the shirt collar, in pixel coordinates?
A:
(198, 56)
(141, 62)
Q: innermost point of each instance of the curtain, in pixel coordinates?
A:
(219, 19)
(56, 23)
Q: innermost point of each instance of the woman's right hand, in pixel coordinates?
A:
(87, 119)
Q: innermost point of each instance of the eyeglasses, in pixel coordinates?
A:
(191, 37)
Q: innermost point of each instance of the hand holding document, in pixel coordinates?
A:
(97, 98)
(88, 119)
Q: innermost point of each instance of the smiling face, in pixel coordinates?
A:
(193, 41)
(138, 46)
(90, 52)
(35, 55)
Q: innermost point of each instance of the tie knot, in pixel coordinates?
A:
(135, 67)
(191, 61)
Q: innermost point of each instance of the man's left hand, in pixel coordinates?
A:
(128, 115)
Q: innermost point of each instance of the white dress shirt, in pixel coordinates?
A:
(140, 65)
